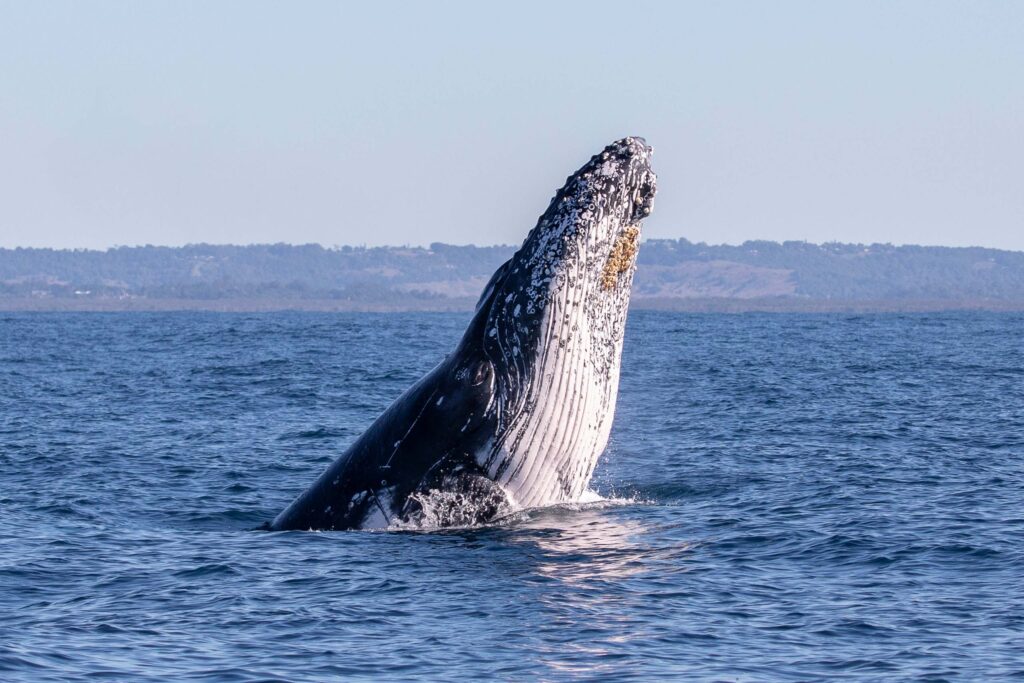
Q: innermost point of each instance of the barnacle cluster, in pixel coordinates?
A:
(621, 257)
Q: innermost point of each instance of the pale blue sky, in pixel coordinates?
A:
(394, 123)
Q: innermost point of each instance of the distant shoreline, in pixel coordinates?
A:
(671, 275)
(465, 304)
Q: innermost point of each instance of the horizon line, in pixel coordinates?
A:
(429, 246)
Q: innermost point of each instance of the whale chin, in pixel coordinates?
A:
(520, 413)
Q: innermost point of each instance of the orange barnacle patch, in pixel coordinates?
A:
(621, 258)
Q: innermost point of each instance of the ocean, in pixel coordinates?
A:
(786, 497)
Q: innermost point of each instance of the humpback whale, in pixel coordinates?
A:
(518, 415)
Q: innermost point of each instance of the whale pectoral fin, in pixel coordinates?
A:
(458, 499)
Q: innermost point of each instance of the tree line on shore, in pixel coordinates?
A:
(667, 269)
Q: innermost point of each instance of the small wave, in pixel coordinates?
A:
(207, 570)
(318, 433)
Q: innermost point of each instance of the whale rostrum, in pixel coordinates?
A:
(518, 415)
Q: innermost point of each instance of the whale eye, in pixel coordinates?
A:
(482, 373)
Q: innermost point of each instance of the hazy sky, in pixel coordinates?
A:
(394, 123)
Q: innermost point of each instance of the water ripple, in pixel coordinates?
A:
(788, 497)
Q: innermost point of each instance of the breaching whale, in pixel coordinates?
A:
(518, 415)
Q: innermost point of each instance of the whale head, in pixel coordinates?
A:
(549, 327)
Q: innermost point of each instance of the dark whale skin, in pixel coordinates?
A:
(417, 444)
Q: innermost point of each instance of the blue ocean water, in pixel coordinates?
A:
(790, 497)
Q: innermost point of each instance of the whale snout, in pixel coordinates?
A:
(644, 180)
(633, 150)
(632, 156)
(633, 144)
(643, 199)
